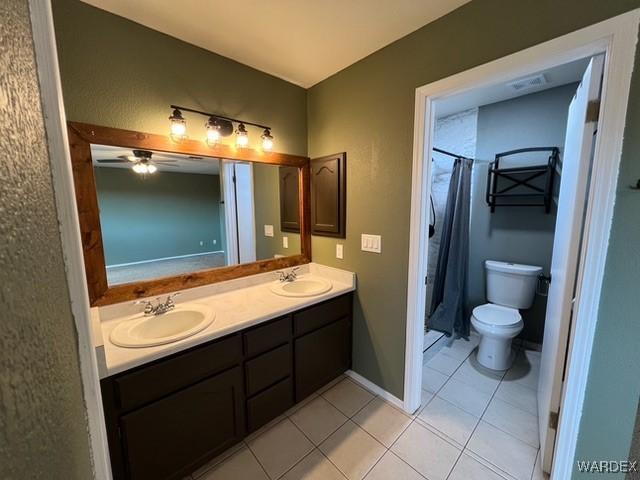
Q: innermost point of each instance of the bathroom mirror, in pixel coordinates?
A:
(158, 216)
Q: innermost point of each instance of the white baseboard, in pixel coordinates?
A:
(372, 387)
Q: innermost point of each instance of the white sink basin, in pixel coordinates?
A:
(183, 321)
(302, 287)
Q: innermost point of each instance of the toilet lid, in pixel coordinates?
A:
(497, 315)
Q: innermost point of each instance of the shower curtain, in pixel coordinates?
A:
(450, 283)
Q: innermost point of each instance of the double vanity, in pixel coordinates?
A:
(182, 386)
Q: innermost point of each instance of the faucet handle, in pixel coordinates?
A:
(148, 307)
(170, 297)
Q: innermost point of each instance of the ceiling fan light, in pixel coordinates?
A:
(267, 140)
(178, 125)
(242, 136)
(151, 168)
(140, 168)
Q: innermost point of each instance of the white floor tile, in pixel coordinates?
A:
(513, 420)
(390, 467)
(522, 397)
(459, 348)
(241, 465)
(382, 421)
(468, 398)
(280, 448)
(301, 404)
(314, 466)
(538, 474)
(352, 450)
(318, 419)
(432, 380)
(477, 377)
(426, 452)
(523, 371)
(503, 450)
(468, 468)
(430, 338)
(348, 397)
(444, 363)
(450, 420)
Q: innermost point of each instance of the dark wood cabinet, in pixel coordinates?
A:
(289, 199)
(328, 195)
(168, 417)
(172, 436)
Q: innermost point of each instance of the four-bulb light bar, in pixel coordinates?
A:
(218, 126)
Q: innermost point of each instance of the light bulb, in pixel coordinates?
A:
(242, 137)
(178, 125)
(140, 168)
(267, 140)
(151, 168)
(213, 131)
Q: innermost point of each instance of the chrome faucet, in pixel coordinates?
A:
(288, 277)
(158, 309)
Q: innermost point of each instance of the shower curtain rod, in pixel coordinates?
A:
(444, 152)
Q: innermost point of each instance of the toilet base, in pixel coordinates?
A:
(495, 353)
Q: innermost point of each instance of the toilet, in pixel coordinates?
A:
(510, 287)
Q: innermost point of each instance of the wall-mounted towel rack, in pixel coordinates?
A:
(500, 194)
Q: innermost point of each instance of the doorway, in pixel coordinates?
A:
(584, 44)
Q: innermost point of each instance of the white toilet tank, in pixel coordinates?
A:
(511, 284)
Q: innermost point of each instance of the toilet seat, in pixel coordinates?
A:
(497, 316)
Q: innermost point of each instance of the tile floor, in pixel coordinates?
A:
(473, 424)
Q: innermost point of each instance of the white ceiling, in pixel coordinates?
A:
(555, 77)
(301, 41)
(166, 162)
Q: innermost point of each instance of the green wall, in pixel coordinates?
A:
(266, 190)
(118, 73)
(161, 215)
(43, 424)
(367, 111)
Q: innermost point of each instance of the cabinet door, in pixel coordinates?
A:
(328, 196)
(321, 356)
(289, 200)
(169, 438)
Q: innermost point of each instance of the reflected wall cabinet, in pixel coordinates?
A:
(328, 196)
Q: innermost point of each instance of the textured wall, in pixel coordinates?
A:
(43, 429)
(516, 234)
(120, 74)
(367, 111)
(266, 189)
(162, 215)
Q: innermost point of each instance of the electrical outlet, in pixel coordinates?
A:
(215, 241)
(285, 242)
(371, 243)
(201, 243)
(268, 230)
(340, 251)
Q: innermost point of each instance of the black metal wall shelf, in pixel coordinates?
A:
(521, 177)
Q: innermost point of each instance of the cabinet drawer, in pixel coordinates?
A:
(169, 438)
(267, 405)
(154, 381)
(267, 369)
(320, 315)
(265, 337)
(321, 356)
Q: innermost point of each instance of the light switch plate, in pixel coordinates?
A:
(339, 251)
(371, 243)
(268, 230)
(285, 242)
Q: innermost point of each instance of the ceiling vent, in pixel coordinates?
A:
(528, 83)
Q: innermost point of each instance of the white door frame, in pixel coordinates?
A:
(617, 38)
(60, 159)
(239, 212)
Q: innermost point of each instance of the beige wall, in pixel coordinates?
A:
(120, 74)
(43, 429)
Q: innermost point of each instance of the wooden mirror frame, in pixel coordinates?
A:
(82, 135)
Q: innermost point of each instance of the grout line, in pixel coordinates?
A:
(258, 460)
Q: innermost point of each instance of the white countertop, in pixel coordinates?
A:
(238, 304)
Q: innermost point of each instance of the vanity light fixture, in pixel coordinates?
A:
(178, 125)
(242, 136)
(218, 126)
(267, 140)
